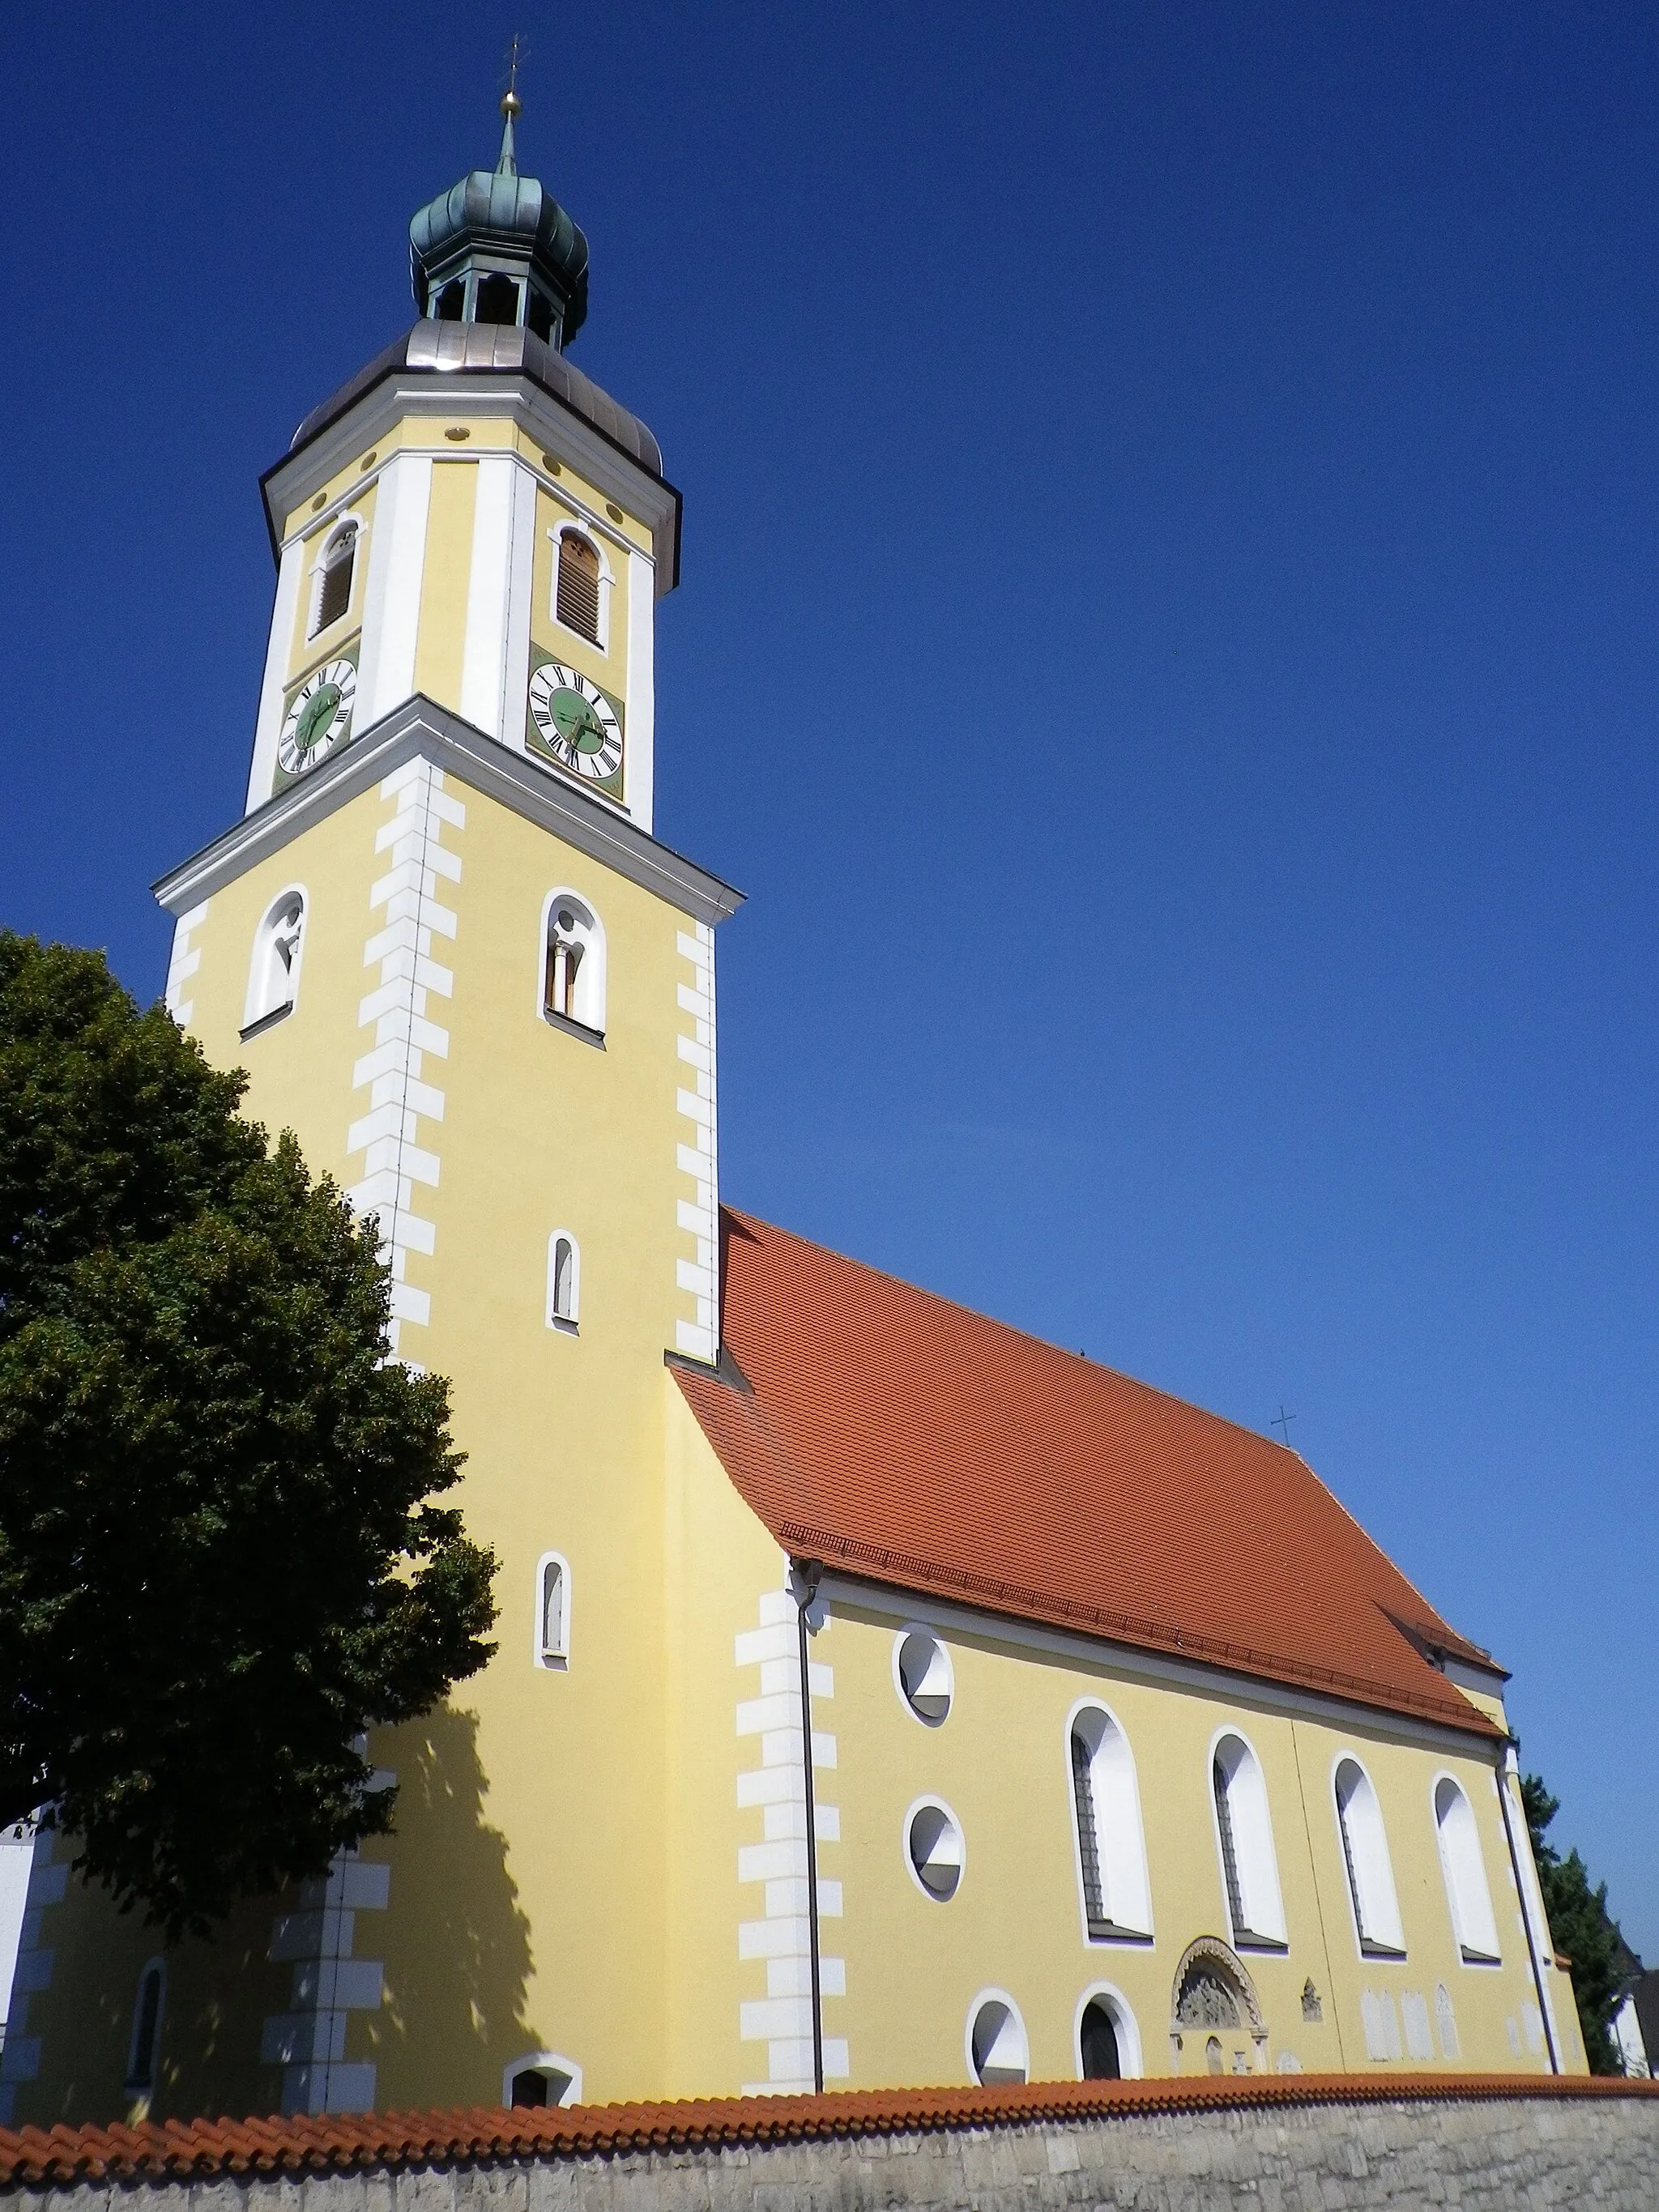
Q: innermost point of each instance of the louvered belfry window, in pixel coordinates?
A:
(579, 586)
(335, 594)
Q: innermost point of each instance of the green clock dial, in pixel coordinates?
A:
(319, 715)
(575, 722)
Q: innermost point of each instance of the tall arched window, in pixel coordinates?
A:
(573, 963)
(577, 602)
(1244, 1835)
(1464, 1871)
(273, 982)
(552, 1644)
(1365, 1855)
(146, 2027)
(332, 588)
(1106, 1810)
(564, 1281)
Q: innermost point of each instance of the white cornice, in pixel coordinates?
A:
(1130, 1660)
(420, 726)
(445, 393)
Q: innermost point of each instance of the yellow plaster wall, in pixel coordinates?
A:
(304, 652)
(1000, 1761)
(608, 669)
(441, 639)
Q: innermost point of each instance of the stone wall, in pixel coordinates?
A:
(1320, 2154)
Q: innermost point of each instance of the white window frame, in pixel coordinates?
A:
(992, 1996)
(576, 527)
(930, 1803)
(1274, 1937)
(156, 1966)
(545, 2061)
(551, 1662)
(567, 1324)
(595, 966)
(331, 536)
(903, 1637)
(1131, 2065)
(255, 1012)
(1128, 1871)
(1469, 1954)
(1376, 1879)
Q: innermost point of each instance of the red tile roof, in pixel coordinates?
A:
(892, 1434)
(351, 2142)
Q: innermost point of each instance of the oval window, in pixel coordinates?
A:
(933, 1843)
(922, 1670)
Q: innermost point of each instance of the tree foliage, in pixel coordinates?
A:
(219, 1560)
(1581, 1929)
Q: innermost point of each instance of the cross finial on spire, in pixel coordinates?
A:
(506, 164)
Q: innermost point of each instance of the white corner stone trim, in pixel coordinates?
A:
(782, 2019)
(20, 2056)
(308, 2041)
(396, 1152)
(183, 964)
(698, 1149)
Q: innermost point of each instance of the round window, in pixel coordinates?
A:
(932, 1843)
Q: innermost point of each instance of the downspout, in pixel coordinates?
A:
(804, 1574)
(1507, 1766)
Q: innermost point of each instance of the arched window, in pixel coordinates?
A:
(933, 1849)
(1446, 2019)
(541, 2078)
(1108, 2041)
(552, 1644)
(1244, 1835)
(1464, 1871)
(573, 963)
(1365, 1855)
(564, 1281)
(577, 601)
(273, 982)
(146, 2027)
(332, 587)
(921, 1674)
(997, 2048)
(1106, 1811)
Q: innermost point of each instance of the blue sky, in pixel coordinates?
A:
(1168, 644)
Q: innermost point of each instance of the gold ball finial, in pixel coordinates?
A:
(511, 104)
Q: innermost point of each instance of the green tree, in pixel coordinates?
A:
(219, 1560)
(1582, 1928)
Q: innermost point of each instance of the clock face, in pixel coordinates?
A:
(575, 722)
(319, 716)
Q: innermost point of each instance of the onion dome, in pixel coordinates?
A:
(496, 248)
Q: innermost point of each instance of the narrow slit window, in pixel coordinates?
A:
(578, 584)
(146, 2028)
(552, 1611)
(339, 563)
(564, 1280)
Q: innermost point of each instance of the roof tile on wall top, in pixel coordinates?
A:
(893, 1434)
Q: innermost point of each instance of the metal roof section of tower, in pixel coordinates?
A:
(497, 248)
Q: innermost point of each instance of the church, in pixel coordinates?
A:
(882, 1696)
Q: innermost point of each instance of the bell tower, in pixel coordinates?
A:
(451, 953)
(471, 519)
